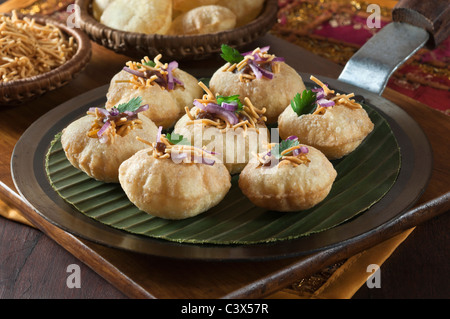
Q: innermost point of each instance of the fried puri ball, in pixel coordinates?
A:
(336, 133)
(98, 6)
(289, 186)
(273, 94)
(99, 160)
(165, 107)
(141, 16)
(234, 147)
(245, 10)
(203, 19)
(171, 190)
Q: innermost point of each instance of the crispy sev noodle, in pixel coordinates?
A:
(248, 118)
(120, 126)
(29, 49)
(246, 73)
(166, 150)
(339, 99)
(287, 157)
(155, 73)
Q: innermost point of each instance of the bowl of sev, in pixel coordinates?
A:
(37, 55)
(175, 46)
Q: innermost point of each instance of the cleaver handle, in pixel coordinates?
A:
(431, 15)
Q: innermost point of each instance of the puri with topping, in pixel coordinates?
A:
(100, 141)
(173, 180)
(262, 77)
(332, 122)
(164, 87)
(288, 177)
(232, 128)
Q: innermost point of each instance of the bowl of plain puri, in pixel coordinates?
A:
(179, 29)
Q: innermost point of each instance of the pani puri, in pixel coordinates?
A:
(335, 130)
(233, 134)
(141, 16)
(99, 154)
(202, 20)
(300, 179)
(166, 102)
(173, 188)
(265, 79)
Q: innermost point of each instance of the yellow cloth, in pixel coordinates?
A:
(352, 275)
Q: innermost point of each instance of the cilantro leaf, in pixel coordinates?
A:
(282, 146)
(305, 103)
(231, 55)
(177, 139)
(130, 106)
(150, 63)
(229, 99)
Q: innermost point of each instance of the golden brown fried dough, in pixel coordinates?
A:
(142, 16)
(202, 20)
(336, 133)
(162, 188)
(285, 187)
(165, 107)
(234, 148)
(245, 10)
(102, 160)
(98, 6)
(274, 94)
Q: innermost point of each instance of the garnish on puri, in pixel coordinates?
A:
(317, 101)
(148, 73)
(288, 151)
(225, 112)
(257, 64)
(176, 147)
(119, 120)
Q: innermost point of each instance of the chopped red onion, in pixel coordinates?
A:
(169, 83)
(135, 72)
(255, 70)
(319, 93)
(170, 78)
(301, 150)
(263, 49)
(292, 138)
(177, 157)
(325, 103)
(101, 110)
(218, 110)
(158, 136)
(259, 71)
(231, 106)
(105, 127)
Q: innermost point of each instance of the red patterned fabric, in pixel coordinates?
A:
(425, 77)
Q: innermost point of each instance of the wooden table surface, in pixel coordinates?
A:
(33, 262)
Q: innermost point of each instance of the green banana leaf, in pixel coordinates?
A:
(364, 177)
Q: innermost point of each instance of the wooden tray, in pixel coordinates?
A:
(30, 179)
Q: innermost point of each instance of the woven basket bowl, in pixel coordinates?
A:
(180, 47)
(25, 90)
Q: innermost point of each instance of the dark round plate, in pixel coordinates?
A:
(28, 172)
